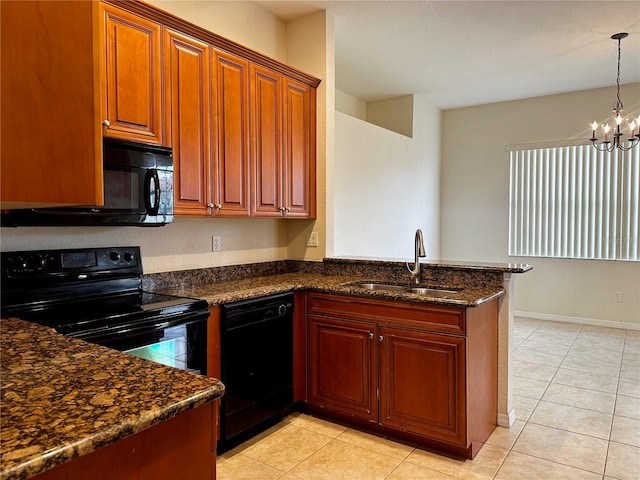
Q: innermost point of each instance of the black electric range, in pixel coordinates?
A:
(96, 295)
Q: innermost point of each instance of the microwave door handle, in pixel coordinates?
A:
(149, 193)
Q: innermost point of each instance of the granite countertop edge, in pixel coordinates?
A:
(63, 398)
(85, 445)
(220, 293)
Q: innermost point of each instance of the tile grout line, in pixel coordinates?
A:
(615, 403)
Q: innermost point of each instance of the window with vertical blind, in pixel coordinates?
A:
(574, 202)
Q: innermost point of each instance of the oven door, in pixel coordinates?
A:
(179, 342)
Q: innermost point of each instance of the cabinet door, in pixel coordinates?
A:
(342, 366)
(132, 80)
(422, 383)
(266, 123)
(51, 146)
(299, 115)
(187, 84)
(230, 103)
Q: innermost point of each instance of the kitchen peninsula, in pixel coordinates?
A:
(471, 285)
(63, 398)
(70, 407)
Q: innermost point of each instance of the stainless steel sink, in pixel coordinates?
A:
(433, 292)
(382, 286)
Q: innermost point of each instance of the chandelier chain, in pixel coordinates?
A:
(618, 104)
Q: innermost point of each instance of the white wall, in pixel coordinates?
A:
(393, 113)
(386, 186)
(311, 47)
(186, 244)
(350, 105)
(182, 245)
(241, 21)
(474, 201)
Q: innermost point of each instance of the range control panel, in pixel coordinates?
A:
(39, 263)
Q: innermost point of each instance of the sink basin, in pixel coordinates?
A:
(382, 286)
(433, 292)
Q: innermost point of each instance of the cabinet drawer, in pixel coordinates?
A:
(429, 317)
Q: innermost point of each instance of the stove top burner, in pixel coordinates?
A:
(85, 290)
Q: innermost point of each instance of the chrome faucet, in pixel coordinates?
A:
(419, 252)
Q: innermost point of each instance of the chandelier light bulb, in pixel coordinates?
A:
(617, 142)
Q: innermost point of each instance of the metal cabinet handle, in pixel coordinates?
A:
(106, 123)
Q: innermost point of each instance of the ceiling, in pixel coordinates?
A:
(464, 53)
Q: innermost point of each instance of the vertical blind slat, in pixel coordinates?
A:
(574, 202)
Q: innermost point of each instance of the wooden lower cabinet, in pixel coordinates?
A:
(342, 366)
(181, 447)
(422, 387)
(386, 365)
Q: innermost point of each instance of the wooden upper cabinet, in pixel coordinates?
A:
(230, 135)
(132, 79)
(51, 146)
(299, 132)
(266, 124)
(283, 135)
(187, 86)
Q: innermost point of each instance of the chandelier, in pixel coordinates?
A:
(613, 136)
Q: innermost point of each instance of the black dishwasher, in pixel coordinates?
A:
(256, 343)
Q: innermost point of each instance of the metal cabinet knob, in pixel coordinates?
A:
(210, 205)
(380, 338)
(106, 123)
(218, 206)
(370, 334)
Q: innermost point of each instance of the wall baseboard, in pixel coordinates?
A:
(586, 321)
(507, 419)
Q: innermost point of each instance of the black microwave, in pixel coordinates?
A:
(138, 190)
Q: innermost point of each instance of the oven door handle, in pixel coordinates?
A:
(137, 328)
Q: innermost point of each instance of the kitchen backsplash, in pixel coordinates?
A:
(442, 275)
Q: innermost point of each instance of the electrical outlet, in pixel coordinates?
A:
(619, 297)
(312, 241)
(216, 243)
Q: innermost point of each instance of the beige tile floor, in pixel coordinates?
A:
(577, 403)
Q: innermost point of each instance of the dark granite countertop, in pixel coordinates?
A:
(62, 397)
(235, 290)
